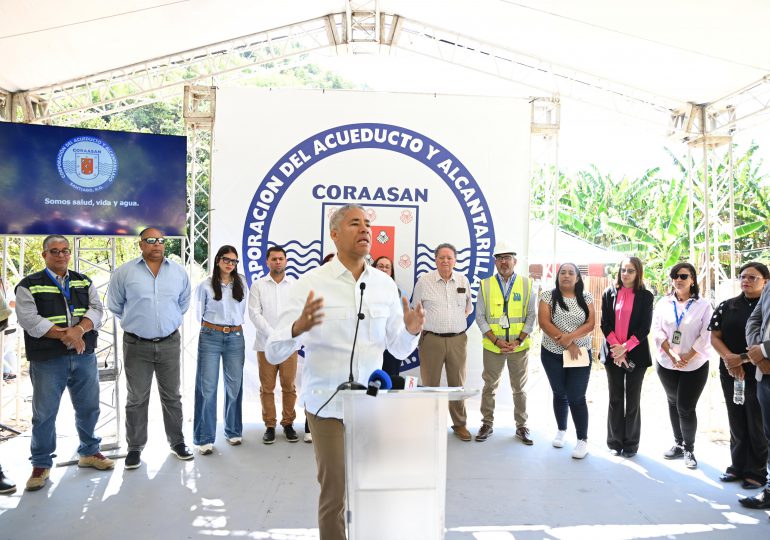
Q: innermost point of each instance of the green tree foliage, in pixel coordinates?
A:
(649, 216)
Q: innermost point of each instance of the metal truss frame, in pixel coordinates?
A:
(544, 152)
(707, 130)
(107, 349)
(162, 78)
(363, 28)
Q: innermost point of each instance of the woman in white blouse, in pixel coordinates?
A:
(566, 315)
(680, 329)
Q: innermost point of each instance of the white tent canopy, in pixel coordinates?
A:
(675, 52)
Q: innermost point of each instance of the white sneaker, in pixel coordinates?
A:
(558, 441)
(205, 449)
(308, 438)
(581, 449)
(235, 441)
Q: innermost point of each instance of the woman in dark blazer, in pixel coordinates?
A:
(626, 320)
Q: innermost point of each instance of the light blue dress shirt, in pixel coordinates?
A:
(224, 312)
(147, 305)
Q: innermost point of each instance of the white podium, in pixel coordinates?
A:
(395, 462)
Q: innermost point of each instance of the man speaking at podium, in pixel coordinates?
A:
(321, 314)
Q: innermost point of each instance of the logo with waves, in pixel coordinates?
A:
(87, 164)
(414, 204)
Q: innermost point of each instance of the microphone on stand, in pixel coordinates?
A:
(351, 384)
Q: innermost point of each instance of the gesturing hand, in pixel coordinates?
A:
(311, 315)
(414, 319)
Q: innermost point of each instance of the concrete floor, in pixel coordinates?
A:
(496, 490)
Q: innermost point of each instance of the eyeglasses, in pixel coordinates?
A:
(628, 270)
(681, 276)
(56, 252)
(749, 278)
(228, 260)
(504, 258)
(152, 241)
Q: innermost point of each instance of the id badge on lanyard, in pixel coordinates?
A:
(676, 337)
(504, 324)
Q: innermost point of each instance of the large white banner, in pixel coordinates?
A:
(427, 168)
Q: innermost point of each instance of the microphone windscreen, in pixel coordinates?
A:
(362, 286)
(378, 375)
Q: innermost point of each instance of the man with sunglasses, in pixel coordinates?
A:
(150, 295)
(59, 311)
(267, 297)
(505, 314)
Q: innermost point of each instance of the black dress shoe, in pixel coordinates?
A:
(629, 453)
(728, 477)
(6, 484)
(269, 436)
(133, 459)
(182, 452)
(760, 502)
(290, 434)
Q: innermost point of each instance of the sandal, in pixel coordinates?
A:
(728, 477)
(750, 483)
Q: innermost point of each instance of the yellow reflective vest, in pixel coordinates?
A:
(517, 309)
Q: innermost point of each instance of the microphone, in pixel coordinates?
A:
(378, 379)
(351, 384)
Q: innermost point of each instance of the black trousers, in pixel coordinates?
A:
(624, 417)
(683, 389)
(748, 445)
(390, 364)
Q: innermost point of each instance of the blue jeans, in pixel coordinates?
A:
(77, 373)
(213, 344)
(569, 387)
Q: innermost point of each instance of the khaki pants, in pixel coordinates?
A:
(517, 373)
(287, 373)
(329, 447)
(437, 352)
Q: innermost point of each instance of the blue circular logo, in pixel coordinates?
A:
(87, 164)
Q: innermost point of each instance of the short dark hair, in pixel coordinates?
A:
(758, 266)
(53, 238)
(141, 233)
(275, 248)
(694, 289)
(446, 245)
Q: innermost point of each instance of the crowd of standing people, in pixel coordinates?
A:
(60, 312)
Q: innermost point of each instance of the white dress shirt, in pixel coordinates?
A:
(694, 329)
(446, 303)
(266, 300)
(328, 345)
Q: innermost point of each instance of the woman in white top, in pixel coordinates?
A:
(566, 315)
(680, 329)
(220, 307)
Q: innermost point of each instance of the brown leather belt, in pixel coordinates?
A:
(224, 329)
